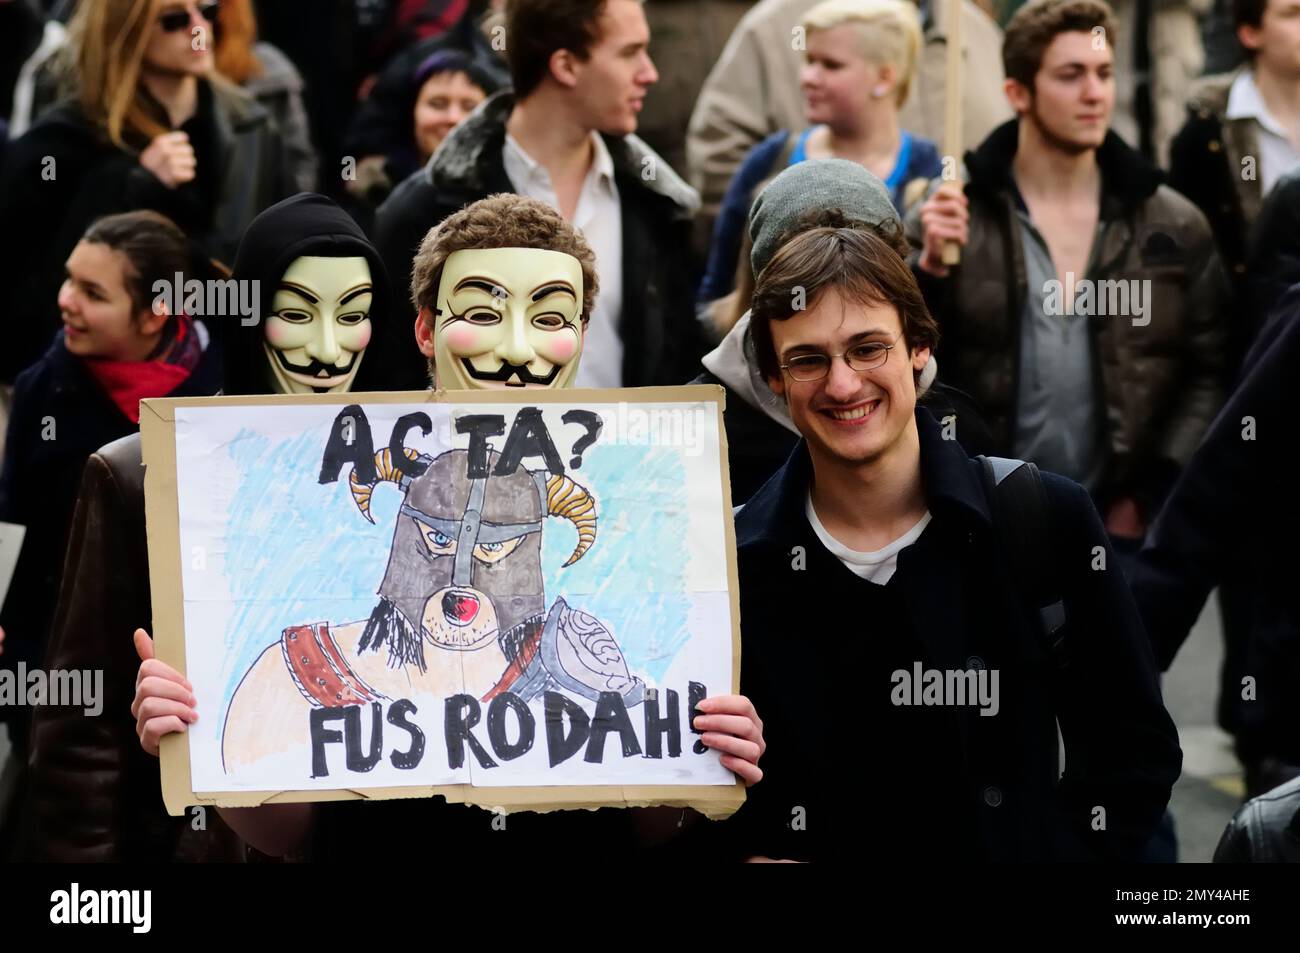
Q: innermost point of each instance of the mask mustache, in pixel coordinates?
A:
(508, 370)
(316, 368)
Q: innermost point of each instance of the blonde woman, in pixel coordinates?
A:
(860, 60)
(147, 124)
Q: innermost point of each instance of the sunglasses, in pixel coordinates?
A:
(174, 20)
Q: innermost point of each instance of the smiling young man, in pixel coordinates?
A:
(881, 618)
(564, 135)
(1089, 313)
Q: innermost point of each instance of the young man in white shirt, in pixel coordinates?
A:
(564, 135)
(1242, 132)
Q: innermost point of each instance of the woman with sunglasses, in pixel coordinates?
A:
(146, 123)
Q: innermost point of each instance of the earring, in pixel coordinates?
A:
(878, 91)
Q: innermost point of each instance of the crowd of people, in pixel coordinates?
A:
(1021, 408)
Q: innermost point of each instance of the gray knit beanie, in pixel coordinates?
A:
(811, 185)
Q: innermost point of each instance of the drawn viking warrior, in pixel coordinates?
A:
(462, 608)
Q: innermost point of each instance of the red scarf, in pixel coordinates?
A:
(172, 362)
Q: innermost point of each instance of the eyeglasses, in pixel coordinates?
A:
(860, 357)
(174, 20)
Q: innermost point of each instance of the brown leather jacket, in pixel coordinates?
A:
(94, 795)
(1160, 382)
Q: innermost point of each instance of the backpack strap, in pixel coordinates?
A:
(1022, 519)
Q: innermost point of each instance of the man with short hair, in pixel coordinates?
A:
(1243, 128)
(564, 135)
(1088, 314)
(882, 613)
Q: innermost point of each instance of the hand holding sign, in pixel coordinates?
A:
(732, 727)
(164, 698)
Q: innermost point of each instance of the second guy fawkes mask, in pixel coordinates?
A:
(319, 324)
(321, 303)
(508, 317)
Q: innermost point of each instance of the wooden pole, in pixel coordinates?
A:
(952, 109)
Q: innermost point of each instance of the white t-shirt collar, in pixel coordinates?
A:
(878, 566)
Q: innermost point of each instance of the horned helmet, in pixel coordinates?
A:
(465, 565)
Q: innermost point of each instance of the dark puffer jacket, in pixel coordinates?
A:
(1160, 383)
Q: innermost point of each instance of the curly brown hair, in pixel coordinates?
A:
(504, 220)
(1035, 25)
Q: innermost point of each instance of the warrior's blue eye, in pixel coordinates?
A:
(491, 547)
(441, 539)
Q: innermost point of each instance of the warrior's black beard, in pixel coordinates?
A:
(387, 627)
(513, 640)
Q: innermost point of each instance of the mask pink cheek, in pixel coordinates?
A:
(562, 351)
(276, 335)
(362, 338)
(463, 340)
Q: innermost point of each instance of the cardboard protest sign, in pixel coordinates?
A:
(512, 600)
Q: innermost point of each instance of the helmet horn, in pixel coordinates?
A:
(387, 472)
(567, 499)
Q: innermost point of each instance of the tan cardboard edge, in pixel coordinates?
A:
(713, 801)
(162, 523)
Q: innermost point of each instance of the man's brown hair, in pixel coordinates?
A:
(861, 265)
(499, 221)
(1031, 31)
(537, 28)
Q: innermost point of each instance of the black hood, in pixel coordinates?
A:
(303, 224)
(1128, 178)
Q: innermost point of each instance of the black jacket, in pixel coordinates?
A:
(61, 176)
(60, 417)
(810, 651)
(306, 224)
(1274, 255)
(1205, 164)
(1232, 518)
(662, 340)
(1265, 829)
